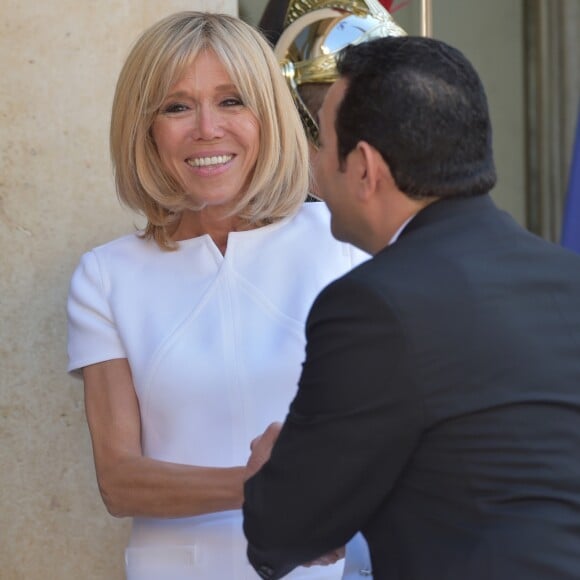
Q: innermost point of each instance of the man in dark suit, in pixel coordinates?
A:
(439, 405)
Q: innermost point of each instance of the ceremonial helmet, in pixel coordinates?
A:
(315, 31)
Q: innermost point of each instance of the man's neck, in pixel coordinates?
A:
(395, 219)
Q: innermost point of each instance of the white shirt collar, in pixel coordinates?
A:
(400, 230)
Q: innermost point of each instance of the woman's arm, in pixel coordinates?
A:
(134, 485)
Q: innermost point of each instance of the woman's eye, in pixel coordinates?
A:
(232, 102)
(174, 108)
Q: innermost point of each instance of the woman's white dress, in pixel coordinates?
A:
(215, 345)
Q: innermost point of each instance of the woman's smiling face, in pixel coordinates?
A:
(207, 138)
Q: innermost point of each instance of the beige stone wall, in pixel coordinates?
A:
(59, 61)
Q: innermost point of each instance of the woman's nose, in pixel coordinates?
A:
(208, 123)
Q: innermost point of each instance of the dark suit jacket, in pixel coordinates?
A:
(438, 411)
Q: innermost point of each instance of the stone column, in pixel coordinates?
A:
(59, 63)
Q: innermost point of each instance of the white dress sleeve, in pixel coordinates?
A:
(92, 334)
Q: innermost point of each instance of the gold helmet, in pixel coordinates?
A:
(315, 31)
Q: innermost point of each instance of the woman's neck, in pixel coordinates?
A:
(208, 221)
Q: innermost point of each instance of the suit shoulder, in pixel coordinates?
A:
(358, 288)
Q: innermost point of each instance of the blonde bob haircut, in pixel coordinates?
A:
(279, 183)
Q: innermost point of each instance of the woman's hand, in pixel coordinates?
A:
(261, 448)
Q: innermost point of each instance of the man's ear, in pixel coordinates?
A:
(374, 172)
(367, 165)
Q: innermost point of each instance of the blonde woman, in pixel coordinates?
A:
(189, 335)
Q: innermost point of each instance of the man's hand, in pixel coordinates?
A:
(261, 448)
(327, 559)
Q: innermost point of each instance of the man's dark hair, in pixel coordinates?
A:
(421, 104)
